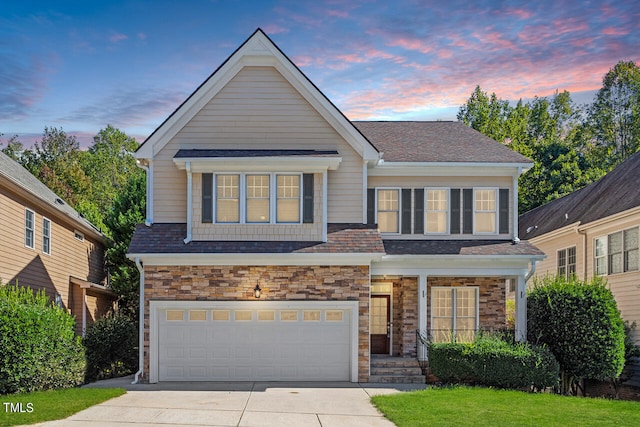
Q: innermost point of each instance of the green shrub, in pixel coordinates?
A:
(38, 346)
(492, 361)
(111, 347)
(581, 324)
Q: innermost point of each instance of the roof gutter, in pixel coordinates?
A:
(140, 325)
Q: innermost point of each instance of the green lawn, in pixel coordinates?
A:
(457, 406)
(51, 405)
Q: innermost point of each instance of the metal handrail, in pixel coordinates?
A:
(422, 350)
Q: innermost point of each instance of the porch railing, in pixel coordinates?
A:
(422, 350)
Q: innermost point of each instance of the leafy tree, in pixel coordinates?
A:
(128, 210)
(614, 116)
(581, 324)
(486, 113)
(14, 148)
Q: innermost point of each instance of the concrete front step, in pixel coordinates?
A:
(389, 369)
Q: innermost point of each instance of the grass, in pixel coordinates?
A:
(51, 405)
(456, 406)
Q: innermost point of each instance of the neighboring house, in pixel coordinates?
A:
(45, 244)
(284, 242)
(594, 232)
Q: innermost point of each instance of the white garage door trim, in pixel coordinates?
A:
(156, 307)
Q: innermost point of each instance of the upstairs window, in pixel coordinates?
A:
(616, 253)
(258, 197)
(567, 262)
(389, 211)
(485, 211)
(288, 198)
(228, 198)
(29, 228)
(437, 211)
(46, 236)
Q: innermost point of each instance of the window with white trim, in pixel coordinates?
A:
(388, 207)
(437, 211)
(567, 262)
(228, 198)
(29, 228)
(454, 313)
(258, 198)
(46, 236)
(616, 252)
(288, 198)
(484, 211)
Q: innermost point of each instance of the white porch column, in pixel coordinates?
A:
(521, 309)
(189, 203)
(422, 313)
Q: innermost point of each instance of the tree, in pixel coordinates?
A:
(14, 148)
(129, 209)
(486, 114)
(614, 116)
(581, 324)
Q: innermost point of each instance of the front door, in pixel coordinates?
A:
(380, 327)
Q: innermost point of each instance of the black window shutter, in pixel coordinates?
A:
(503, 217)
(406, 211)
(418, 211)
(455, 211)
(371, 206)
(207, 197)
(467, 211)
(307, 198)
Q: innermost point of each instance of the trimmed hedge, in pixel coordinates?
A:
(492, 361)
(39, 349)
(112, 347)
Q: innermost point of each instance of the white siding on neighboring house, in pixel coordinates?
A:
(258, 109)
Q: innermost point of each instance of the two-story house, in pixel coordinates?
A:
(285, 242)
(594, 232)
(46, 245)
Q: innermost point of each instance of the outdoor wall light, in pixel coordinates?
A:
(257, 290)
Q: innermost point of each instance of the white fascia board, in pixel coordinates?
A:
(448, 271)
(247, 164)
(448, 169)
(458, 261)
(258, 259)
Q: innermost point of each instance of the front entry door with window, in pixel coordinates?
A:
(380, 327)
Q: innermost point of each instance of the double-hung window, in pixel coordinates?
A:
(29, 228)
(567, 262)
(288, 198)
(389, 210)
(437, 211)
(454, 313)
(485, 212)
(617, 252)
(258, 198)
(228, 198)
(46, 236)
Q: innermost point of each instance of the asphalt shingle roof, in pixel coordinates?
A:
(435, 142)
(168, 238)
(460, 247)
(14, 172)
(615, 192)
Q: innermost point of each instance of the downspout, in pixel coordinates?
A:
(521, 304)
(141, 325)
(516, 239)
(189, 202)
(531, 272)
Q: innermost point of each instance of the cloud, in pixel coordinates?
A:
(23, 83)
(274, 29)
(117, 37)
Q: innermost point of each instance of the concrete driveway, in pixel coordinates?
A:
(237, 404)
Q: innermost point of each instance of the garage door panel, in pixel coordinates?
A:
(278, 344)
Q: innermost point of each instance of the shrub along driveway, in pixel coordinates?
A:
(236, 404)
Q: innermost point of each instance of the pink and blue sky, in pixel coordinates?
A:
(81, 65)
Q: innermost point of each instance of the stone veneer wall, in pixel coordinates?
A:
(492, 298)
(278, 283)
(405, 316)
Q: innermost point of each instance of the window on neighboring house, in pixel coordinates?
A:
(227, 198)
(485, 211)
(288, 198)
(29, 228)
(258, 198)
(567, 262)
(389, 211)
(454, 314)
(437, 210)
(78, 235)
(617, 252)
(46, 236)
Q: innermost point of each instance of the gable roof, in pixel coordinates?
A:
(257, 50)
(422, 141)
(19, 176)
(615, 192)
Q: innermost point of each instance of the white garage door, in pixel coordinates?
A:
(254, 341)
